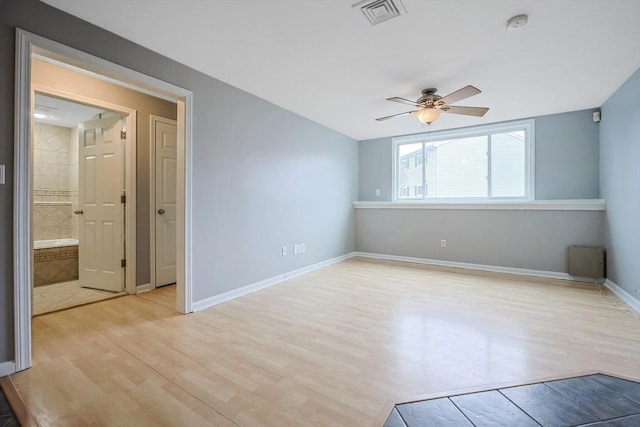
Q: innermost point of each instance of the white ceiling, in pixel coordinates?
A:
(323, 60)
(61, 112)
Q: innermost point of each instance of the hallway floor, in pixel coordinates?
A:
(60, 296)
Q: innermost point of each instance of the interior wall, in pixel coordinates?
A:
(6, 190)
(57, 77)
(263, 177)
(566, 159)
(528, 239)
(620, 184)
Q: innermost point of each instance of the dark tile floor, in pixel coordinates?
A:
(592, 400)
(7, 419)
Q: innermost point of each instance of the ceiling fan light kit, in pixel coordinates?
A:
(430, 105)
(427, 115)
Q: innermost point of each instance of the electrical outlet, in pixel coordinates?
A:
(303, 248)
(284, 251)
(443, 243)
(377, 192)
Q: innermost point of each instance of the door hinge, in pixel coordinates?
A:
(123, 199)
(123, 263)
(123, 134)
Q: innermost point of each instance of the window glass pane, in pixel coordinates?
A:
(457, 168)
(508, 164)
(410, 171)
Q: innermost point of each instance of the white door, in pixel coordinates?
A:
(100, 209)
(165, 201)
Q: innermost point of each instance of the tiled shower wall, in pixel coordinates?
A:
(55, 179)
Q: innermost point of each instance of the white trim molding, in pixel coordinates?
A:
(535, 205)
(623, 295)
(479, 267)
(236, 293)
(22, 265)
(184, 203)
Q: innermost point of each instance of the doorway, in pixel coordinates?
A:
(29, 45)
(79, 200)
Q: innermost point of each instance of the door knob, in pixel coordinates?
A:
(161, 211)
(78, 212)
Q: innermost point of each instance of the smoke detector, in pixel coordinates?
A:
(377, 11)
(517, 22)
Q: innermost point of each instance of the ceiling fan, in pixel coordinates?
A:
(430, 106)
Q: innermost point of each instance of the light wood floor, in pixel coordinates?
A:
(60, 296)
(325, 349)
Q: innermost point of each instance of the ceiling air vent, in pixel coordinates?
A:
(378, 11)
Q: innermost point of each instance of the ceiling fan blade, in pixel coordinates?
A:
(395, 115)
(459, 95)
(467, 111)
(403, 101)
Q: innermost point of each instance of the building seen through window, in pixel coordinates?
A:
(489, 165)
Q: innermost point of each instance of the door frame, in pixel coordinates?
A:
(129, 170)
(152, 193)
(27, 45)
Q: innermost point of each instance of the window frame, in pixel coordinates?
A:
(483, 130)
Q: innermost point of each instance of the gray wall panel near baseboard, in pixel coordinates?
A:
(620, 184)
(535, 240)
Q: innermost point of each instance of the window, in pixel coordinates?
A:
(485, 162)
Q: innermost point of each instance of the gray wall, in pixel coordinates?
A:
(263, 177)
(567, 161)
(535, 240)
(6, 190)
(376, 169)
(620, 184)
(566, 164)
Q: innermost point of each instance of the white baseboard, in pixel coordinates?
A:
(481, 267)
(144, 288)
(310, 268)
(7, 368)
(228, 296)
(623, 295)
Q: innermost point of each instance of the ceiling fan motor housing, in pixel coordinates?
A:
(429, 97)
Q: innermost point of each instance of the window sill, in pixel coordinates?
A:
(534, 205)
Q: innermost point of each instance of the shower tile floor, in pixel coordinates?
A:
(60, 296)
